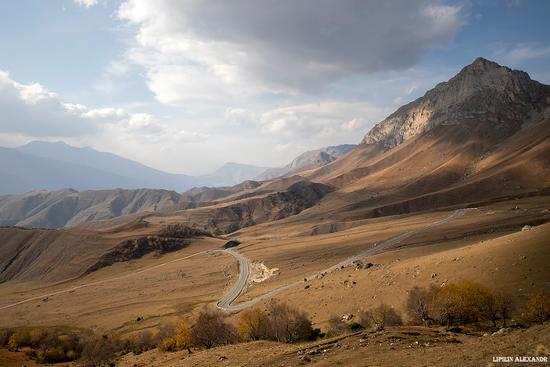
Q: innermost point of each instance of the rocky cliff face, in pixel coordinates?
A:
(483, 90)
(307, 160)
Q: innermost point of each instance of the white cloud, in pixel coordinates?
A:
(205, 51)
(86, 3)
(328, 119)
(518, 54)
(33, 111)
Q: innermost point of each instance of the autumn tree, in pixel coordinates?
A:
(381, 316)
(418, 304)
(211, 330)
(181, 339)
(13, 343)
(253, 325)
(287, 324)
(537, 308)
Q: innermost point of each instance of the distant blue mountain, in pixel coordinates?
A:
(41, 165)
(135, 174)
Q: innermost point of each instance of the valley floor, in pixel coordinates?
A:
(504, 245)
(485, 244)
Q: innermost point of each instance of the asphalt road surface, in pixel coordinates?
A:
(226, 302)
(244, 272)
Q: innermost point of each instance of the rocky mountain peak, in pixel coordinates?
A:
(483, 90)
(482, 64)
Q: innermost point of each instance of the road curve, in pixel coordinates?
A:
(225, 303)
(244, 272)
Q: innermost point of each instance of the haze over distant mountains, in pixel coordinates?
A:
(42, 165)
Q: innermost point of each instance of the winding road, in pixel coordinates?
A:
(226, 302)
(236, 290)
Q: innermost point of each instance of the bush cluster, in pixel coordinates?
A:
(56, 344)
(377, 318)
(279, 323)
(468, 302)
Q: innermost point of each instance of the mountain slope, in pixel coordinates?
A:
(471, 155)
(56, 209)
(307, 160)
(482, 90)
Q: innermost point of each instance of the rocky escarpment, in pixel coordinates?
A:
(229, 218)
(483, 91)
(171, 238)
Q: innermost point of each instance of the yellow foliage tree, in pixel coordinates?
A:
(252, 324)
(179, 341)
(13, 343)
(537, 308)
(182, 338)
(462, 302)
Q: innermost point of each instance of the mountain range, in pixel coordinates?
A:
(41, 165)
(479, 136)
(452, 188)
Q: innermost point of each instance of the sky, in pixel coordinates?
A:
(187, 85)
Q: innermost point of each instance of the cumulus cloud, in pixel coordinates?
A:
(329, 119)
(86, 3)
(518, 54)
(33, 111)
(207, 48)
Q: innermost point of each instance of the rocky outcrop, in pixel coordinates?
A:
(229, 218)
(308, 160)
(171, 238)
(483, 91)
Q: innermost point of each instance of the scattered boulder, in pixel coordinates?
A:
(347, 317)
(349, 283)
(526, 228)
(433, 275)
(231, 244)
(500, 332)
